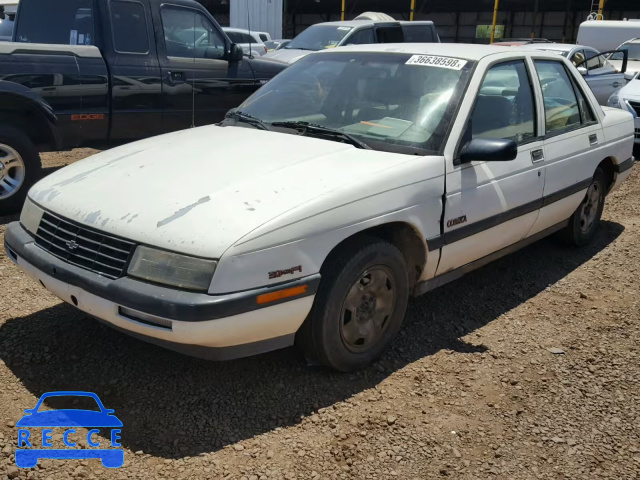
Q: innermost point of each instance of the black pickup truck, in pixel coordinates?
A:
(102, 72)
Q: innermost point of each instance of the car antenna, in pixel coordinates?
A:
(249, 26)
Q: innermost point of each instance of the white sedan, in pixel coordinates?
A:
(628, 99)
(354, 179)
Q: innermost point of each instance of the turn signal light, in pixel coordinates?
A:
(280, 294)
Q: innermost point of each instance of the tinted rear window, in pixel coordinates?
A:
(129, 26)
(66, 23)
(418, 34)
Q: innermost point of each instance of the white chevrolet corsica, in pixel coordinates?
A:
(354, 179)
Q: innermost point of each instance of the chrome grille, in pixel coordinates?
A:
(83, 247)
(635, 106)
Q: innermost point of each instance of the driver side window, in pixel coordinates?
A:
(190, 34)
(504, 107)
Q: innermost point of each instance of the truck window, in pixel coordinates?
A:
(129, 27)
(263, 37)
(361, 37)
(64, 23)
(417, 33)
(190, 34)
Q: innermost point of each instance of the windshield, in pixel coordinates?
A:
(393, 102)
(318, 37)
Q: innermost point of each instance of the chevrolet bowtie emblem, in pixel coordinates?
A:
(72, 245)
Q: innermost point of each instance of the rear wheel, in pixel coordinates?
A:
(584, 223)
(19, 168)
(359, 307)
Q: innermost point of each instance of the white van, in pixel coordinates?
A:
(606, 35)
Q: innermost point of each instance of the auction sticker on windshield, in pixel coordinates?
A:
(433, 61)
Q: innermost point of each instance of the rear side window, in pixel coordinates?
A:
(71, 22)
(263, 37)
(560, 102)
(129, 27)
(361, 37)
(235, 37)
(418, 34)
(390, 34)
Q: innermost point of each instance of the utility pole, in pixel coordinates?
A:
(495, 19)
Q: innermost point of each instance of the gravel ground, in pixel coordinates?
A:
(525, 369)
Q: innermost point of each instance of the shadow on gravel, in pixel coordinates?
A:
(174, 406)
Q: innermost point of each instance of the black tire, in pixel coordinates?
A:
(358, 268)
(580, 232)
(14, 139)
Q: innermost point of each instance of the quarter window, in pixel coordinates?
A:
(129, 26)
(560, 103)
(505, 107)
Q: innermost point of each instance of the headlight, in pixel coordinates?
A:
(172, 269)
(31, 216)
(614, 101)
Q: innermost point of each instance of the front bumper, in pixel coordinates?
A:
(218, 327)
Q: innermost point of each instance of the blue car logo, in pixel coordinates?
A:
(69, 419)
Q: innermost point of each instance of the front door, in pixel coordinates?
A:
(602, 76)
(491, 205)
(219, 85)
(177, 61)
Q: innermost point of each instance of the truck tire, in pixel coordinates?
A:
(584, 223)
(19, 168)
(359, 307)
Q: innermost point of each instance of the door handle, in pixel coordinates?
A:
(177, 77)
(593, 139)
(537, 155)
(617, 84)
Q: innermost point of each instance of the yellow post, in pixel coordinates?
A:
(495, 19)
(413, 9)
(342, 17)
(600, 10)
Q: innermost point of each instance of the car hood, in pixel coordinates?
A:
(630, 90)
(289, 55)
(199, 191)
(69, 418)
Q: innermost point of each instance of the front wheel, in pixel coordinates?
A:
(19, 168)
(584, 223)
(359, 307)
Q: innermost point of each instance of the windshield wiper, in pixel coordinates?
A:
(322, 131)
(242, 117)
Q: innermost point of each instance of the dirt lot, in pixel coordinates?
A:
(526, 369)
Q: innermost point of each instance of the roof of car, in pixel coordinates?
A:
(555, 47)
(460, 50)
(359, 23)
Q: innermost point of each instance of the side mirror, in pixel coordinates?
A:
(235, 53)
(489, 150)
(583, 71)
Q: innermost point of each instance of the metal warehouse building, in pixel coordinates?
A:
(456, 20)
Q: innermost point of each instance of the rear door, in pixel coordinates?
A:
(573, 142)
(136, 91)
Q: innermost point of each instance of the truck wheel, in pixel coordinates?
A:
(586, 219)
(19, 168)
(359, 307)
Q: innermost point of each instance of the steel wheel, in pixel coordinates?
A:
(367, 308)
(590, 208)
(12, 171)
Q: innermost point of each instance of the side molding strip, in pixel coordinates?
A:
(435, 243)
